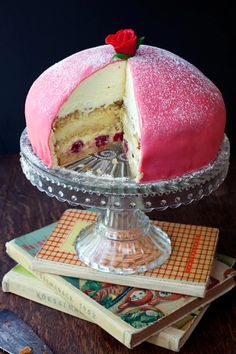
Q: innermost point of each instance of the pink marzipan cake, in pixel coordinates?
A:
(170, 116)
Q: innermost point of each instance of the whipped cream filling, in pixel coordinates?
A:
(100, 89)
(130, 102)
(110, 84)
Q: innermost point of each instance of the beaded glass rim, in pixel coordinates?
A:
(93, 183)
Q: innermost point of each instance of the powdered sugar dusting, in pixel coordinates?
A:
(171, 93)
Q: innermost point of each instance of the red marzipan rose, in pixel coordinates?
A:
(123, 41)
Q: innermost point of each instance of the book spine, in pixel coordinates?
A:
(32, 289)
(119, 330)
(197, 289)
(169, 339)
(175, 336)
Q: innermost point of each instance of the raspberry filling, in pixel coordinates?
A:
(125, 146)
(101, 140)
(77, 146)
(118, 137)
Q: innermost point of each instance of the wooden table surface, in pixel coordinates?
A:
(23, 209)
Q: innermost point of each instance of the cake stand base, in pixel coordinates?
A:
(123, 242)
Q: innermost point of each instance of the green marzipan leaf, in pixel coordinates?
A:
(121, 56)
(139, 41)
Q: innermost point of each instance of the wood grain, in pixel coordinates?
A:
(23, 209)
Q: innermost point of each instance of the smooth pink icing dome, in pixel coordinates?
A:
(181, 112)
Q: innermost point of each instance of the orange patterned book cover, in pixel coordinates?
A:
(193, 249)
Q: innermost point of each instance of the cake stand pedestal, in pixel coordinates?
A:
(123, 240)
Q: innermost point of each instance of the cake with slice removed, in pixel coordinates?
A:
(170, 116)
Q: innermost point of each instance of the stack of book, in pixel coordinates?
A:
(165, 311)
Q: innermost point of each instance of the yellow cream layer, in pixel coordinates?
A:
(84, 121)
(104, 87)
(85, 126)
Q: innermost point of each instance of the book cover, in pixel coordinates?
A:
(21, 282)
(186, 271)
(131, 315)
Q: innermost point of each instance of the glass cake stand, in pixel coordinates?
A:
(122, 241)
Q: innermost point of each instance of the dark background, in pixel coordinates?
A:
(36, 34)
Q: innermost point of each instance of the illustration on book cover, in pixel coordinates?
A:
(138, 307)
